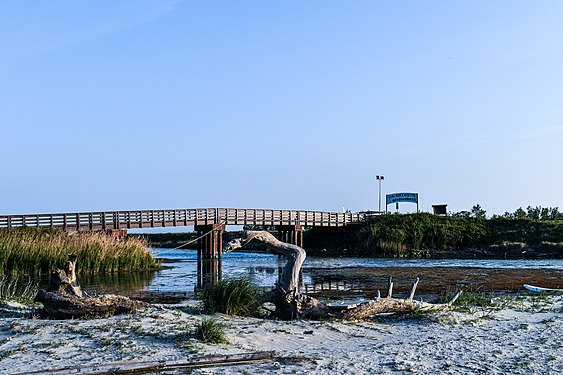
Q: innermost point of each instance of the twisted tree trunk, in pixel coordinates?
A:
(290, 304)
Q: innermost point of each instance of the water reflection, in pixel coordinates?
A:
(117, 282)
(180, 273)
(111, 283)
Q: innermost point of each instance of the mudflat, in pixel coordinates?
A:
(439, 280)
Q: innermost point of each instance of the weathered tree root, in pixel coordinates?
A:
(396, 305)
(64, 298)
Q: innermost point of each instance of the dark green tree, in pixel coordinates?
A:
(478, 212)
(519, 213)
(533, 213)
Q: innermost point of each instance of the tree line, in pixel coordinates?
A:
(533, 213)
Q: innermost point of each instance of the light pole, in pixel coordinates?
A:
(379, 179)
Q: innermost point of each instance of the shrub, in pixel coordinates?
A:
(232, 297)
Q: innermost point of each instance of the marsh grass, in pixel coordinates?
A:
(15, 289)
(36, 251)
(536, 302)
(232, 297)
(210, 331)
(469, 301)
(472, 301)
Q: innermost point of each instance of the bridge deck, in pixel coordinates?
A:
(87, 221)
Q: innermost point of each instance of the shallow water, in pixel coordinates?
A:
(180, 274)
(262, 268)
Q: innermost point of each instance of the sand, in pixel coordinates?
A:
(518, 335)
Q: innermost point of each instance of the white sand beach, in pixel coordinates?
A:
(519, 335)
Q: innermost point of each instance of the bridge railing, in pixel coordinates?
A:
(85, 221)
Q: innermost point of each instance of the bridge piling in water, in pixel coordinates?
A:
(209, 253)
(292, 234)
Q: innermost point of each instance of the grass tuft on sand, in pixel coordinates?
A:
(210, 331)
(232, 297)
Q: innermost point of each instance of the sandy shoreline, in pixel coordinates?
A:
(520, 335)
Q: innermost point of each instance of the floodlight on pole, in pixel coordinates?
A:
(379, 178)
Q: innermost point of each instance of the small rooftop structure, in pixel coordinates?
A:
(440, 209)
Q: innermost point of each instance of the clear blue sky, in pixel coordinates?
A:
(115, 105)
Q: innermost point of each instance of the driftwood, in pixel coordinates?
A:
(396, 305)
(290, 304)
(64, 297)
(144, 367)
(64, 281)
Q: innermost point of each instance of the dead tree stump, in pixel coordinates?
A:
(64, 298)
(63, 280)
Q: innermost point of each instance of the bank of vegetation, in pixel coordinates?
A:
(534, 232)
(36, 251)
(468, 234)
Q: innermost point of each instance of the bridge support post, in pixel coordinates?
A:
(292, 234)
(209, 253)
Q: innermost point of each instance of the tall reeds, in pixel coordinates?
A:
(35, 251)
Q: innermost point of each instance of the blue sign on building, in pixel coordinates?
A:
(402, 197)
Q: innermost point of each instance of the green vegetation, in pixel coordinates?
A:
(34, 251)
(460, 235)
(470, 301)
(232, 297)
(534, 213)
(13, 289)
(416, 235)
(211, 331)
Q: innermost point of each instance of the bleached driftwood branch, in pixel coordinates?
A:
(396, 305)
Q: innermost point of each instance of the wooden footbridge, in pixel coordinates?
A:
(118, 220)
(210, 223)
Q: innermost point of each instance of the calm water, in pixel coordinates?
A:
(263, 268)
(181, 274)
